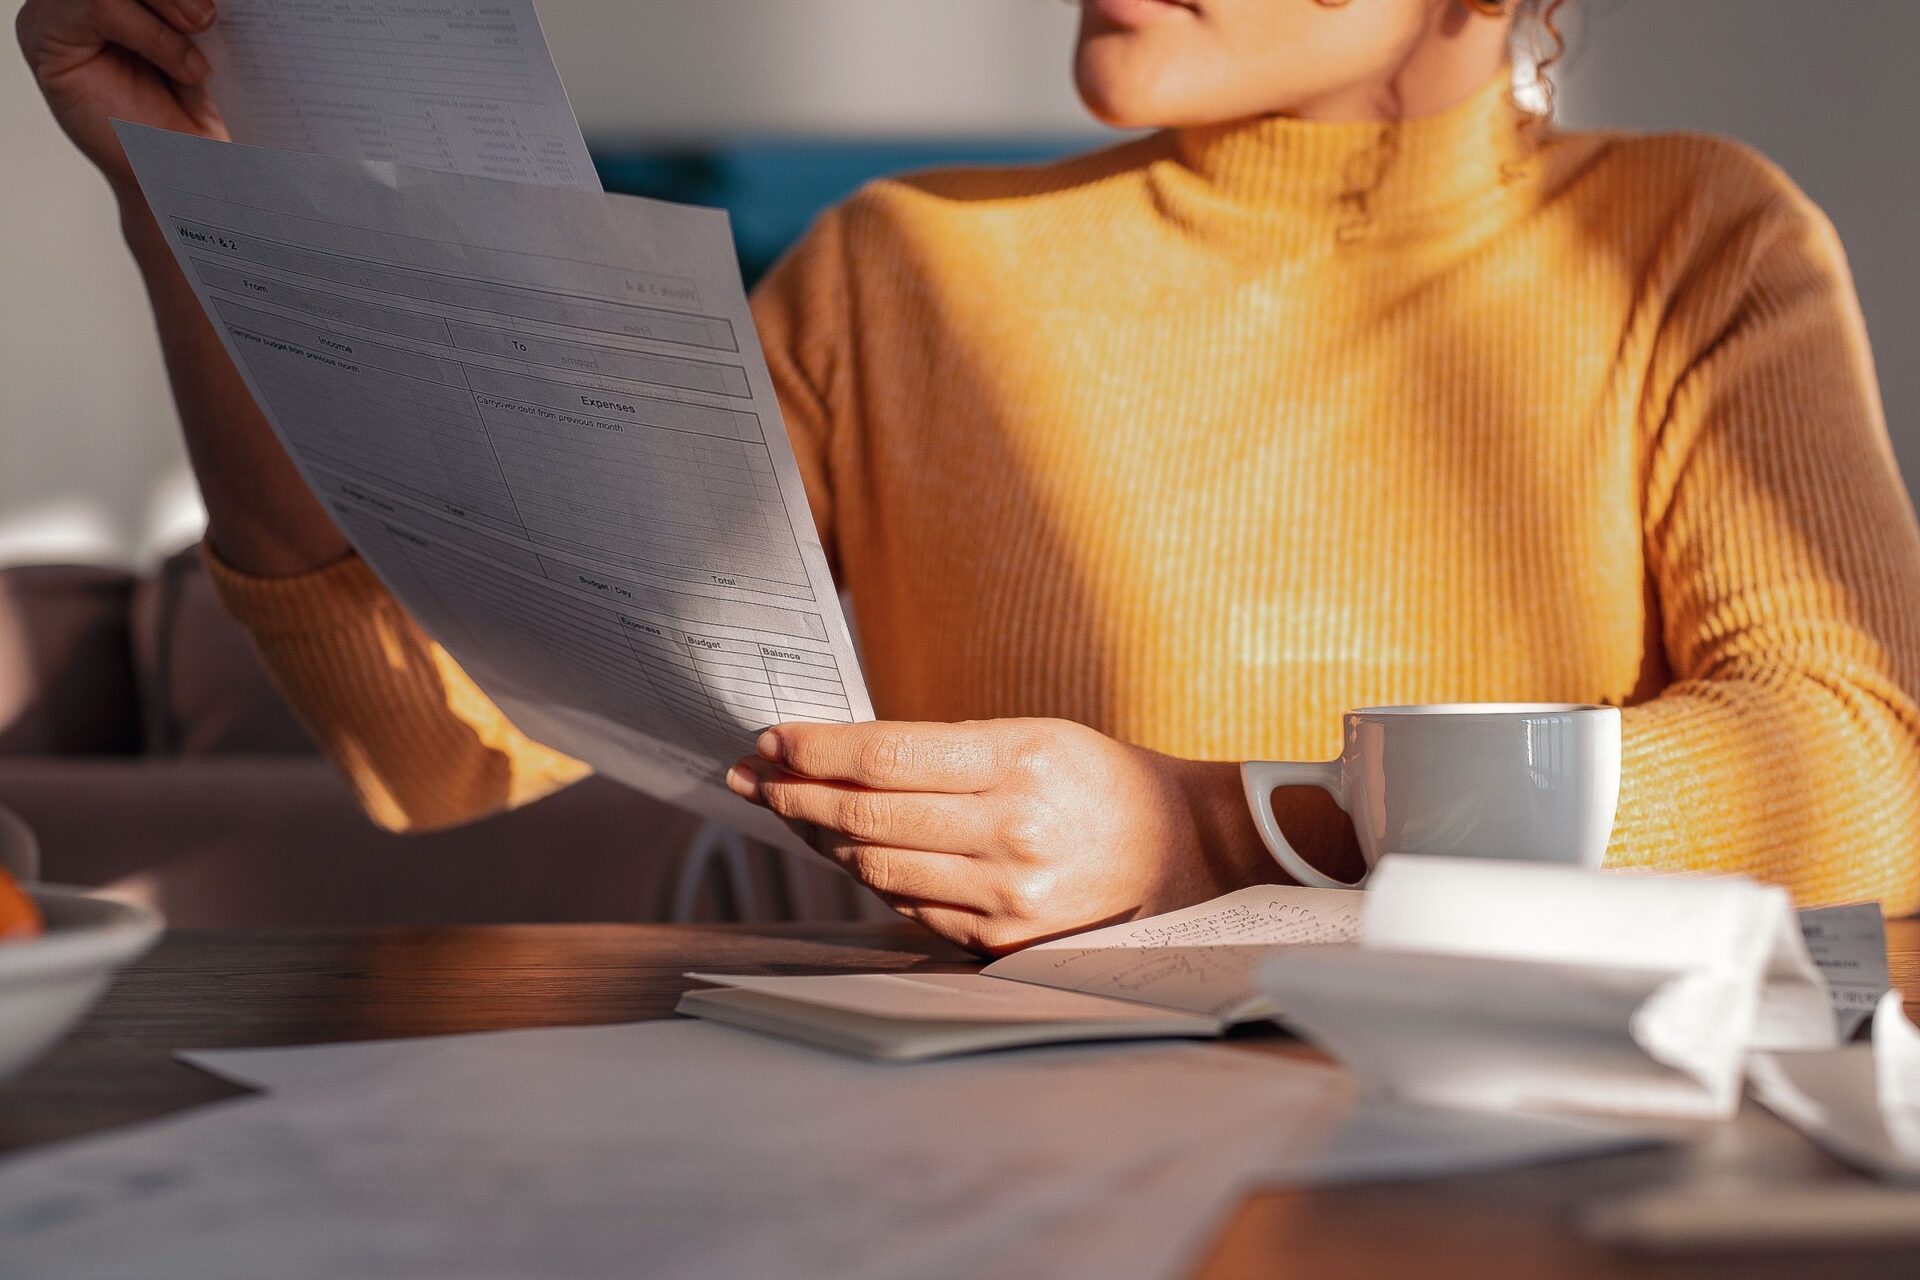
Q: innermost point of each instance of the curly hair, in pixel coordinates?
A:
(1537, 33)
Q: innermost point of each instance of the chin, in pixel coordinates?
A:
(1131, 82)
(1122, 89)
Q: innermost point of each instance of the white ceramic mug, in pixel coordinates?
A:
(1536, 782)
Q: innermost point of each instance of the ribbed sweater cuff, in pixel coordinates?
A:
(335, 597)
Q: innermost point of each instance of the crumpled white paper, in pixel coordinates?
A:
(1860, 1102)
(1530, 986)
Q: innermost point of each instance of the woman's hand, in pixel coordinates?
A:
(999, 833)
(97, 60)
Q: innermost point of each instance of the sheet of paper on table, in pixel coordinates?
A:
(467, 86)
(1186, 973)
(1521, 985)
(542, 416)
(1755, 1221)
(713, 1153)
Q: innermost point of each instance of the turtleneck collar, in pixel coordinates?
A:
(1363, 171)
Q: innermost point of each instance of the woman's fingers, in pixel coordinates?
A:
(975, 930)
(894, 755)
(140, 30)
(954, 824)
(946, 880)
(189, 16)
(197, 101)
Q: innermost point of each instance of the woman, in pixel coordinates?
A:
(1351, 385)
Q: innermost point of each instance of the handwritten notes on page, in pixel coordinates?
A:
(542, 416)
(1185, 973)
(1200, 959)
(465, 86)
(1512, 985)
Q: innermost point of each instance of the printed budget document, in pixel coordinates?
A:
(464, 85)
(543, 418)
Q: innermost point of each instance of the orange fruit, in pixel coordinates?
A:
(19, 918)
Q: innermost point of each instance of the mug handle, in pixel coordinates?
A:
(1260, 778)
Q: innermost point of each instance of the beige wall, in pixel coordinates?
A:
(1827, 89)
(694, 68)
(88, 463)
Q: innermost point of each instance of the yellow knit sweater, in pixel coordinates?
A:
(1204, 438)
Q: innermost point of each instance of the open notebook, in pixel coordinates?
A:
(1187, 973)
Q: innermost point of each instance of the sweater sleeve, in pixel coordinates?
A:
(421, 745)
(1785, 561)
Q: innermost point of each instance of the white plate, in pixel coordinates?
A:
(47, 982)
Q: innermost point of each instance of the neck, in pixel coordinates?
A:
(1441, 67)
(1383, 175)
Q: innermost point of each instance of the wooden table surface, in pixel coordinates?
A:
(229, 988)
